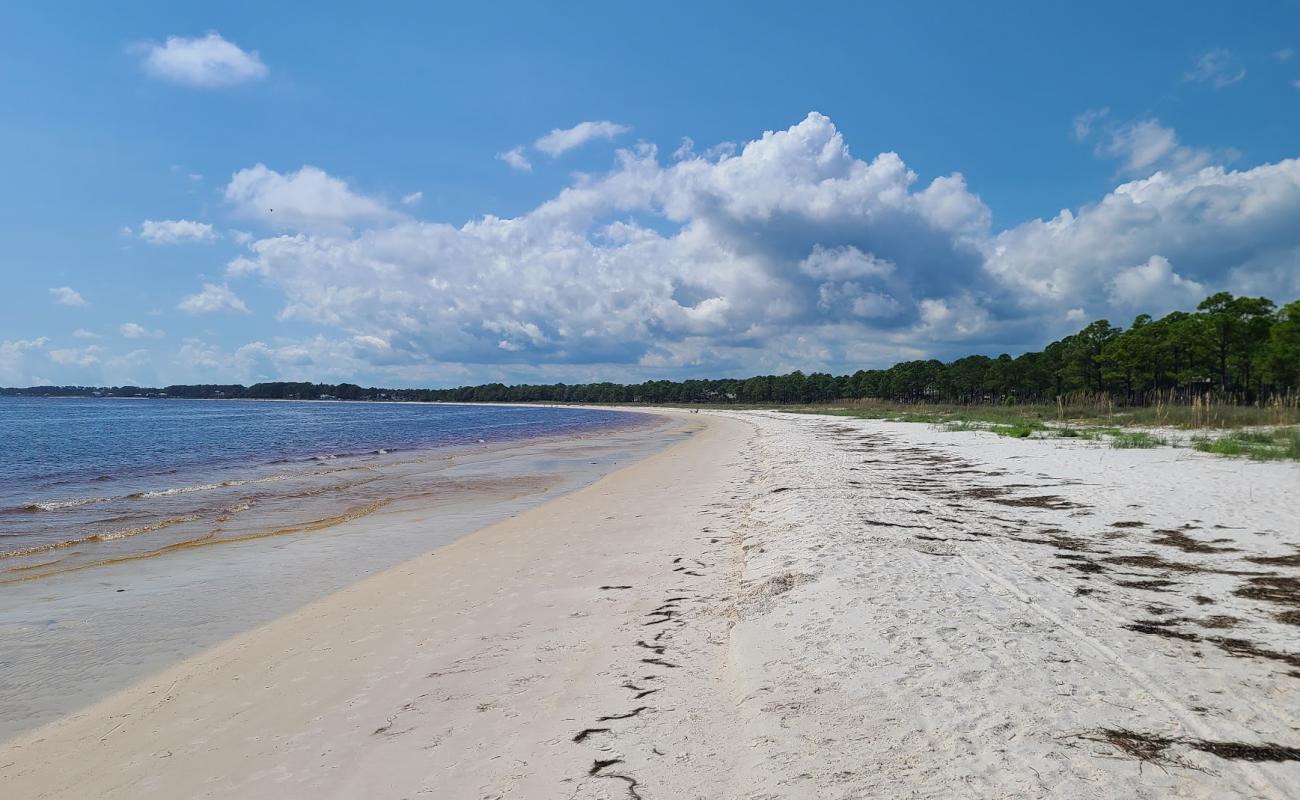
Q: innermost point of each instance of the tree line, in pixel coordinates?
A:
(1242, 349)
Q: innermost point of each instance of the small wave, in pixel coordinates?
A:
(381, 451)
(206, 487)
(204, 540)
(110, 536)
(55, 505)
(226, 514)
(202, 487)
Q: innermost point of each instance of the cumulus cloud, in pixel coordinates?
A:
(131, 330)
(308, 198)
(562, 140)
(175, 231)
(1217, 68)
(1154, 288)
(516, 159)
(786, 252)
(792, 233)
(843, 263)
(66, 295)
(1216, 227)
(214, 298)
(206, 62)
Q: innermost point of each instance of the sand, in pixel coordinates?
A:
(778, 606)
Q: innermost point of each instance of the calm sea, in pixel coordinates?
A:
(84, 481)
(136, 533)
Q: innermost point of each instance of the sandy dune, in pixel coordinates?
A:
(779, 606)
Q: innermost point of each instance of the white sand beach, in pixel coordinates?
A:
(778, 606)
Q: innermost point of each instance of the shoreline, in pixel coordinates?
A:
(342, 670)
(75, 635)
(774, 606)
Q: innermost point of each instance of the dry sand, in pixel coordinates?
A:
(779, 606)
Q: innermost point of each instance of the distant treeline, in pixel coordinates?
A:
(1242, 349)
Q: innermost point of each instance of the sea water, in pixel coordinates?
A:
(134, 533)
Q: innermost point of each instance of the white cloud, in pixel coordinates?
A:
(77, 357)
(739, 263)
(13, 357)
(1083, 123)
(317, 358)
(1217, 68)
(66, 295)
(192, 177)
(175, 231)
(205, 62)
(412, 199)
(82, 333)
(1284, 55)
(20, 345)
(1146, 145)
(562, 140)
(308, 198)
(131, 330)
(787, 253)
(1223, 229)
(791, 234)
(213, 298)
(1154, 288)
(516, 159)
(954, 319)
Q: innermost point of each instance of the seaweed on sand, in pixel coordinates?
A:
(1156, 749)
(1292, 560)
(1180, 540)
(1271, 588)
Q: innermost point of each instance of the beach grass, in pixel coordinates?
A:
(1020, 429)
(1244, 431)
(1076, 415)
(1087, 434)
(1269, 432)
(1279, 444)
(1134, 440)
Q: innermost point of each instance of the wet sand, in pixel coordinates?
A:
(96, 622)
(778, 606)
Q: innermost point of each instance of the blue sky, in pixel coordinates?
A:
(145, 146)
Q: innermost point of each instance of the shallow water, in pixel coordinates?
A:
(84, 481)
(249, 540)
